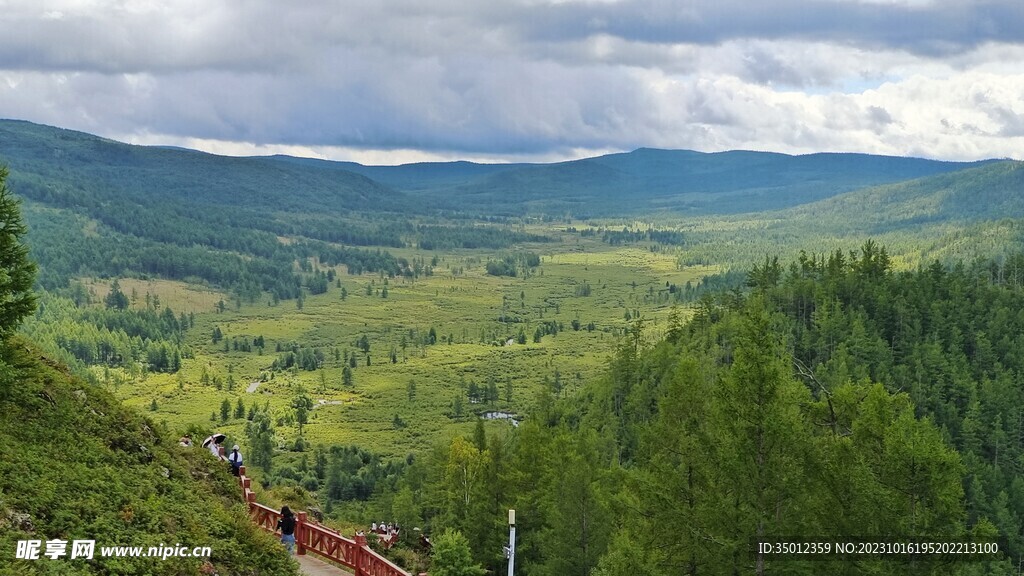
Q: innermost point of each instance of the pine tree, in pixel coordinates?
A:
(763, 439)
(115, 298)
(576, 507)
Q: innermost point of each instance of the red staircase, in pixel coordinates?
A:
(320, 540)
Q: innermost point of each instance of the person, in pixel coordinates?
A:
(373, 527)
(287, 527)
(186, 441)
(216, 446)
(235, 459)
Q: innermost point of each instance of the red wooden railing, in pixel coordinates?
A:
(310, 536)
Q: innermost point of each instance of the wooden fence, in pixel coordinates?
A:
(311, 536)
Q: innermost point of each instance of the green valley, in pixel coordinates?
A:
(441, 335)
(729, 347)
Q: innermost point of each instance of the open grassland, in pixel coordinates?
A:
(404, 390)
(178, 296)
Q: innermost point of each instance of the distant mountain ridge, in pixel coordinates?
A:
(645, 180)
(46, 154)
(689, 182)
(684, 181)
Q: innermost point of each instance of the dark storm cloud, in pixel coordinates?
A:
(938, 28)
(269, 36)
(475, 105)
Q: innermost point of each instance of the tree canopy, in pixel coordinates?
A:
(17, 271)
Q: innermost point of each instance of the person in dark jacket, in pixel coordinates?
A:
(287, 527)
(235, 459)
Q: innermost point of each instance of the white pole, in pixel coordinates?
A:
(511, 541)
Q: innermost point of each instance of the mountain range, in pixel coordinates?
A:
(643, 181)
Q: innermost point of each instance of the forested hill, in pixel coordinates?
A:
(77, 465)
(681, 181)
(69, 164)
(96, 207)
(58, 166)
(428, 176)
(987, 192)
(648, 180)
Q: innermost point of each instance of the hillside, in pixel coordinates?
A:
(53, 157)
(86, 173)
(236, 223)
(829, 399)
(988, 192)
(417, 176)
(676, 181)
(133, 210)
(77, 465)
(686, 182)
(959, 216)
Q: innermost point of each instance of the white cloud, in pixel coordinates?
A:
(367, 156)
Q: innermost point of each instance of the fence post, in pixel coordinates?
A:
(360, 551)
(300, 534)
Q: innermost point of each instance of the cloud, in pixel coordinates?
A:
(259, 35)
(524, 79)
(941, 27)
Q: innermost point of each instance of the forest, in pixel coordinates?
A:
(824, 349)
(832, 399)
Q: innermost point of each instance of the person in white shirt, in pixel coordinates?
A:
(235, 459)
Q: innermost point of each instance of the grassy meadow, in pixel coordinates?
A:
(459, 301)
(394, 408)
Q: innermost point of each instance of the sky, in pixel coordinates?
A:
(395, 81)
